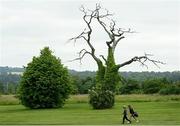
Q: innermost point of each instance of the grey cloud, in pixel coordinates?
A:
(31, 25)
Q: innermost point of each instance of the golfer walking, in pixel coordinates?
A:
(125, 114)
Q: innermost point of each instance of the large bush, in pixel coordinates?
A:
(45, 82)
(101, 99)
(130, 87)
(152, 86)
(172, 89)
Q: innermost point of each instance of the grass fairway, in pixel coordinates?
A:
(154, 111)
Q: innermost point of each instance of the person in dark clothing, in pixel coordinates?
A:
(133, 113)
(125, 115)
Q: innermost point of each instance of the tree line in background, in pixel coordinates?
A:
(132, 82)
(151, 85)
(9, 83)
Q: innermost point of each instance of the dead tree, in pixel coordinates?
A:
(107, 73)
(107, 76)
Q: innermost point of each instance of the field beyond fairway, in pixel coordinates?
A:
(152, 109)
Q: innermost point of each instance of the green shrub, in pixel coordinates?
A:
(152, 86)
(100, 99)
(45, 82)
(129, 88)
(173, 89)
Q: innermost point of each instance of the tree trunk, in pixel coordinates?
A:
(111, 77)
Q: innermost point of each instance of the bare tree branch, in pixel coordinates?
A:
(104, 26)
(104, 59)
(115, 34)
(86, 34)
(142, 60)
(100, 16)
(116, 42)
(81, 35)
(81, 53)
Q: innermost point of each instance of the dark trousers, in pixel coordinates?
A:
(125, 118)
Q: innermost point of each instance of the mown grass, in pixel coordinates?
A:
(152, 109)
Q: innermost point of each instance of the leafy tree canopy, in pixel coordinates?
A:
(45, 82)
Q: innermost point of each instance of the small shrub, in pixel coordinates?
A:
(100, 99)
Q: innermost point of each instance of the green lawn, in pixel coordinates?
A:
(154, 111)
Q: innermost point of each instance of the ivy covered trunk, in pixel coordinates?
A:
(111, 76)
(107, 78)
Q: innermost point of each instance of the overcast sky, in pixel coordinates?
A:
(26, 26)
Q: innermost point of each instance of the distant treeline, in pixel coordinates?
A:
(133, 82)
(5, 70)
(138, 76)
